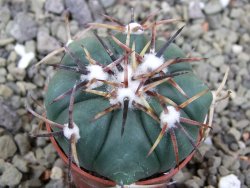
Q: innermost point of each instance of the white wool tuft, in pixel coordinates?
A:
(229, 181)
(132, 26)
(150, 63)
(67, 132)
(95, 71)
(170, 118)
(132, 84)
(123, 93)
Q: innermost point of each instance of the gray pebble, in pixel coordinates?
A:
(30, 157)
(236, 13)
(223, 171)
(194, 10)
(37, 170)
(20, 163)
(16, 72)
(56, 173)
(23, 143)
(10, 176)
(5, 91)
(108, 3)
(23, 27)
(235, 133)
(9, 118)
(191, 184)
(217, 61)
(45, 42)
(2, 62)
(55, 184)
(213, 7)
(7, 147)
(194, 31)
(54, 6)
(227, 161)
(4, 15)
(79, 10)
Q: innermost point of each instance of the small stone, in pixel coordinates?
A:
(55, 184)
(217, 61)
(223, 171)
(7, 147)
(54, 6)
(2, 62)
(5, 91)
(191, 184)
(50, 153)
(215, 161)
(23, 143)
(213, 7)
(236, 13)
(20, 163)
(194, 10)
(56, 173)
(235, 133)
(6, 41)
(229, 181)
(107, 3)
(237, 49)
(224, 3)
(23, 27)
(194, 31)
(79, 10)
(212, 180)
(37, 171)
(17, 73)
(4, 14)
(9, 118)
(45, 42)
(10, 176)
(227, 161)
(30, 157)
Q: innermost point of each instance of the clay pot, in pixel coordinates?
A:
(83, 179)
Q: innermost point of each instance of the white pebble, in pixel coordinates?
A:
(229, 181)
(25, 57)
(224, 3)
(237, 49)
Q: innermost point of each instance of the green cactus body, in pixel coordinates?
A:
(101, 148)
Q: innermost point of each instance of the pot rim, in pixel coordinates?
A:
(154, 181)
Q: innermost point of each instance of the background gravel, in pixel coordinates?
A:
(216, 29)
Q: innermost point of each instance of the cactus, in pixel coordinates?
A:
(126, 106)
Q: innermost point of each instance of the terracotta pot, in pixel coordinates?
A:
(83, 179)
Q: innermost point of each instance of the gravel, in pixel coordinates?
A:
(216, 29)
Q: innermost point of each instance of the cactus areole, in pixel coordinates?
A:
(138, 107)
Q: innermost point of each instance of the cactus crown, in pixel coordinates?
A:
(138, 77)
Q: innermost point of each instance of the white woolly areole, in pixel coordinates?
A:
(132, 26)
(95, 71)
(171, 117)
(229, 181)
(150, 62)
(132, 84)
(122, 93)
(67, 132)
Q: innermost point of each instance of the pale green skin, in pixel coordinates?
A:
(101, 148)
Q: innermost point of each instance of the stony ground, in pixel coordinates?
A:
(216, 29)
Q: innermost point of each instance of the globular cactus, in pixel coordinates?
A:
(129, 104)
